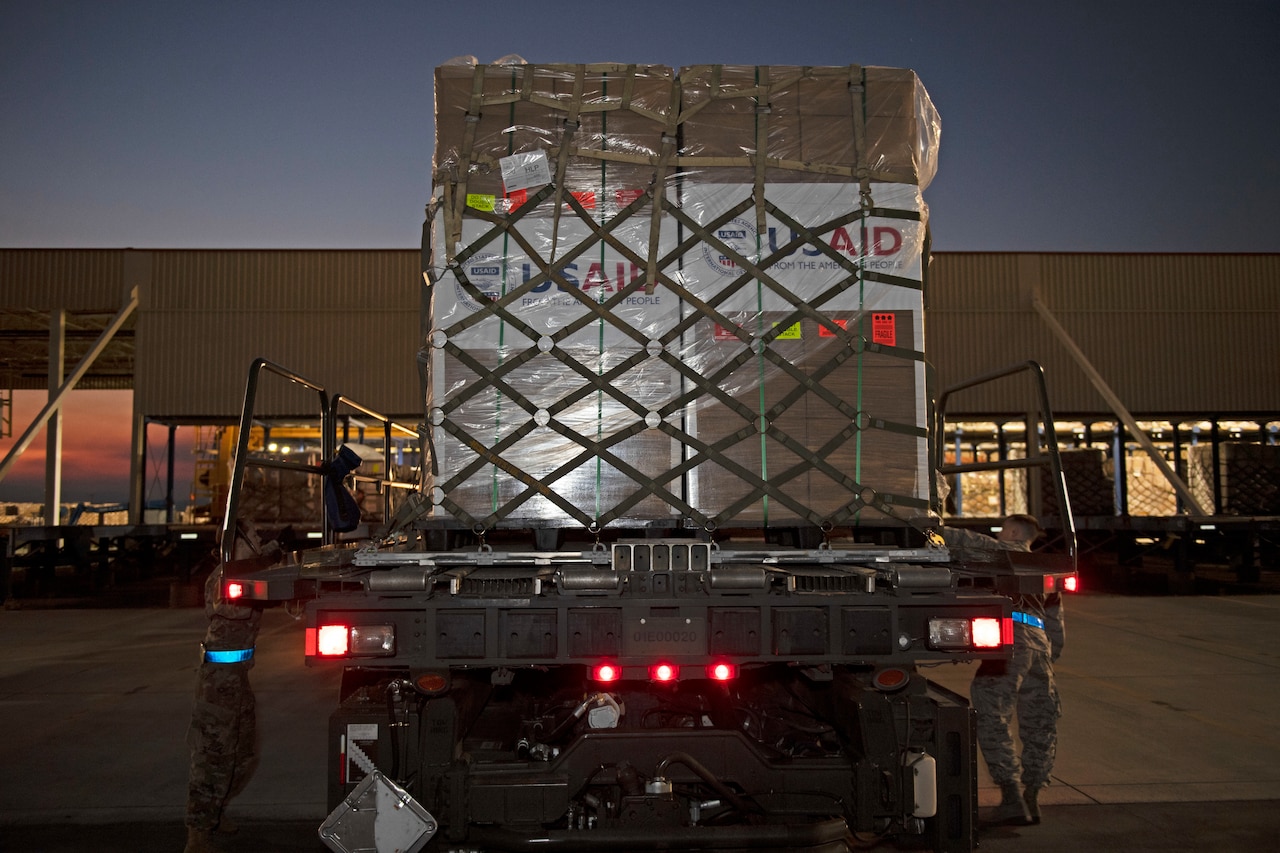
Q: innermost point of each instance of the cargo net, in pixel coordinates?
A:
(1248, 478)
(643, 321)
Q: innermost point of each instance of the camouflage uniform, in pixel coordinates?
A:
(1023, 685)
(223, 733)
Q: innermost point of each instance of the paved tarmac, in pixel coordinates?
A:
(1168, 739)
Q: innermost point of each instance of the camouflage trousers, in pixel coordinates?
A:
(1022, 686)
(223, 739)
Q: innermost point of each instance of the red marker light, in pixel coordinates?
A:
(235, 590)
(987, 633)
(1071, 584)
(606, 672)
(332, 640)
(664, 672)
(891, 679)
(722, 672)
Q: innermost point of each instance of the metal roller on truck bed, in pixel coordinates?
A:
(668, 572)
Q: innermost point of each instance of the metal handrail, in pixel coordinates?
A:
(242, 461)
(1051, 454)
(388, 481)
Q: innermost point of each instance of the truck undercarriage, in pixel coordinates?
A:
(775, 761)
(665, 694)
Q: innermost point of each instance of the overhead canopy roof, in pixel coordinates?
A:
(24, 348)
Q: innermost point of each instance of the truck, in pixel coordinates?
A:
(667, 574)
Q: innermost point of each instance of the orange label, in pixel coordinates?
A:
(884, 329)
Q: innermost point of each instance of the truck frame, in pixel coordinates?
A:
(653, 692)
(667, 576)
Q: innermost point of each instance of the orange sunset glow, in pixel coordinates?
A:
(96, 437)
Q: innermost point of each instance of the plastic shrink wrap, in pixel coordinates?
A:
(685, 298)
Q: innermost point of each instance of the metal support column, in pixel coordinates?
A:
(1120, 470)
(138, 471)
(957, 492)
(53, 427)
(1215, 441)
(168, 494)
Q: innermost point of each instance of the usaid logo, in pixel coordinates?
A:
(737, 236)
(485, 273)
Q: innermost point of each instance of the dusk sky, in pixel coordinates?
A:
(1075, 126)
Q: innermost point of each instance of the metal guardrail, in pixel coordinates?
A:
(388, 482)
(330, 412)
(1050, 455)
(231, 517)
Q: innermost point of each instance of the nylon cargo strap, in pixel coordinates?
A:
(453, 223)
(858, 113)
(665, 154)
(763, 110)
(570, 127)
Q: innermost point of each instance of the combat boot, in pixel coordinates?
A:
(1031, 796)
(1012, 810)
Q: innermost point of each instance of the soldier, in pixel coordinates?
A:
(1023, 685)
(223, 731)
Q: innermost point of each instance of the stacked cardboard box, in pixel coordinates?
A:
(1248, 478)
(694, 295)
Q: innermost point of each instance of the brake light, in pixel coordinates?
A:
(954, 633)
(332, 640)
(722, 672)
(606, 672)
(234, 590)
(664, 672)
(351, 641)
(987, 633)
(1071, 584)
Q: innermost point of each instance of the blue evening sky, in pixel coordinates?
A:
(1068, 126)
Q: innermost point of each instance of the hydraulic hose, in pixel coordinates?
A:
(705, 775)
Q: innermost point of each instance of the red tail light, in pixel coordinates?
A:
(987, 633)
(234, 590)
(664, 672)
(606, 672)
(722, 672)
(332, 640)
(1071, 584)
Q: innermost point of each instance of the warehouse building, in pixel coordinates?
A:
(1175, 353)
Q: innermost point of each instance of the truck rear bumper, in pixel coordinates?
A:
(826, 836)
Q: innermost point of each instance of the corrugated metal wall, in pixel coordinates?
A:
(82, 280)
(348, 320)
(1168, 333)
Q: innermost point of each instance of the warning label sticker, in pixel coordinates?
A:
(884, 329)
(359, 743)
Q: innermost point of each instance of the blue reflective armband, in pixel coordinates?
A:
(230, 656)
(1028, 619)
